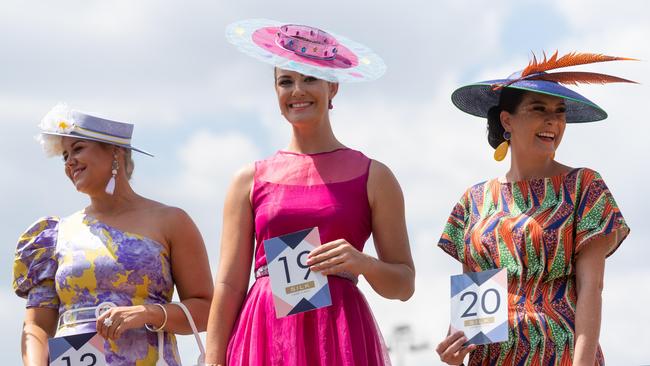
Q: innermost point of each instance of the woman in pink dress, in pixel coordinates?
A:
(315, 182)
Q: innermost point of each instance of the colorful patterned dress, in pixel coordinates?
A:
(77, 262)
(293, 192)
(535, 229)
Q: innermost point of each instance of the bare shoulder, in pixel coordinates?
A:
(174, 224)
(171, 214)
(241, 185)
(244, 176)
(380, 175)
(382, 183)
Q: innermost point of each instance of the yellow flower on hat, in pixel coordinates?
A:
(63, 125)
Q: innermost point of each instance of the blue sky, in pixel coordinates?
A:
(205, 110)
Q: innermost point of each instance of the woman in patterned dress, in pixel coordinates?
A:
(122, 249)
(315, 182)
(551, 226)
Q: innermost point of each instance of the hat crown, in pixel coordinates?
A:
(102, 125)
(307, 41)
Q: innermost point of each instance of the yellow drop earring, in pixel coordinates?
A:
(502, 150)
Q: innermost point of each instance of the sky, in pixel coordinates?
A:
(205, 109)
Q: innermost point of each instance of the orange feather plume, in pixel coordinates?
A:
(570, 59)
(576, 77)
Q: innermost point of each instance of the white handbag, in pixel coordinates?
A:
(161, 340)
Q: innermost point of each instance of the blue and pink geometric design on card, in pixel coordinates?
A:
(78, 349)
(296, 288)
(479, 306)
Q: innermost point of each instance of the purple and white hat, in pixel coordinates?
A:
(63, 121)
(305, 49)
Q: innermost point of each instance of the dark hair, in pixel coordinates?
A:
(509, 100)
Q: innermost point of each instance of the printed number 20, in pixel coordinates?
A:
(92, 357)
(474, 296)
(298, 258)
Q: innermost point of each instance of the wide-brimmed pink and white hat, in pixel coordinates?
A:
(305, 49)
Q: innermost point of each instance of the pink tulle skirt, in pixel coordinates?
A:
(344, 333)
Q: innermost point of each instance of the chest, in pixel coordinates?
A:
(96, 261)
(530, 236)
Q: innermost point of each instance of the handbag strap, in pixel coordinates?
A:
(199, 342)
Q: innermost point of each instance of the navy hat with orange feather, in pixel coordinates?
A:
(476, 99)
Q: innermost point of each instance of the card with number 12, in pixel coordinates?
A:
(296, 288)
(77, 350)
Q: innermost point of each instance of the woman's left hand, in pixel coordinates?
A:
(338, 256)
(123, 318)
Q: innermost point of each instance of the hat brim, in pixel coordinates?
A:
(354, 62)
(476, 99)
(81, 137)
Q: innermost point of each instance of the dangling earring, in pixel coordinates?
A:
(502, 150)
(330, 105)
(110, 187)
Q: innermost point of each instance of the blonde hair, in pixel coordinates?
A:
(129, 165)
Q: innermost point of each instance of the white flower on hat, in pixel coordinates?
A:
(58, 120)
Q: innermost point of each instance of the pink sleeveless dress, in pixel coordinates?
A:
(292, 192)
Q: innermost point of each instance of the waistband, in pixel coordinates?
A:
(77, 316)
(263, 271)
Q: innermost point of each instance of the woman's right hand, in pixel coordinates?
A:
(451, 350)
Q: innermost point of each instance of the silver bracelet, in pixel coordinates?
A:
(160, 328)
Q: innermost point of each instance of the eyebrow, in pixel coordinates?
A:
(544, 103)
(73, 144)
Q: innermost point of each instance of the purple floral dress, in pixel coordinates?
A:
(78, 262)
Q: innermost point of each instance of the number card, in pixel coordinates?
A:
(479, 306)
(296, 288)
(86, 349)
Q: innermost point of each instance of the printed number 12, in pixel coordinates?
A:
(92, 357)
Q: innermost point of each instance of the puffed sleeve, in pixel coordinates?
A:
(35, 264)
(597, 213)
(452, 240)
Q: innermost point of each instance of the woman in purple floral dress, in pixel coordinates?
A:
(122, 249)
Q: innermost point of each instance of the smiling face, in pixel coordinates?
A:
(537, 125)
(88, 164)
(302, 98)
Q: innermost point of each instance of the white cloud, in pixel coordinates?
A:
(168, 69)
(210, 161)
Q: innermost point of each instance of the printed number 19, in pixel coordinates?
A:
(300, 264)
